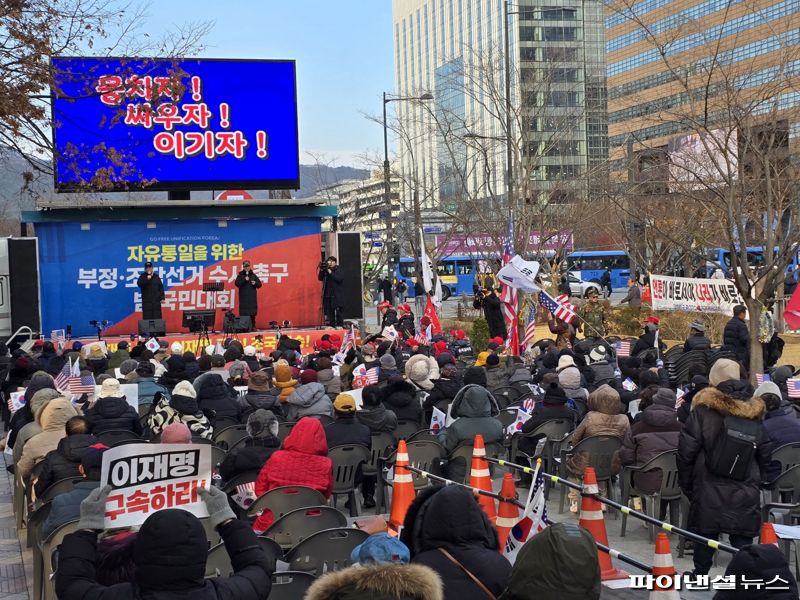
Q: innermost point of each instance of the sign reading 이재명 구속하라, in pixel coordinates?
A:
(146, 478)
(122, 123)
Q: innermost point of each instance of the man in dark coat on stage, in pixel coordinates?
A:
(492, 311)
(332, 299)
(152, 292)
(248, 283)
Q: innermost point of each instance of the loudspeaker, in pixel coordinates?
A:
(348, 253)
(243, 324)
(23, 275)
(152, 327)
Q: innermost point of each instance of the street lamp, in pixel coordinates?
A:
(387, 194)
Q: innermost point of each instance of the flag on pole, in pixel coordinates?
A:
(59, 339)
(520, 274)
(421, 336)
(509, 294)
(530, 328)
(532, 521)
(62, 379)
(793, 387)
(349, 340)
(623, 348)
(83, 384)
(561, 310)
(432, 314)
(389, 332)
(438, 419)
(516, 426)
(427, 270)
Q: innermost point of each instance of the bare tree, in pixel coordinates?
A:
(732, 165)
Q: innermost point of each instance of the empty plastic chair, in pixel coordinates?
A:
(297, 525)
(325, 551)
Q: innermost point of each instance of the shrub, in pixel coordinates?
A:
(479, 335)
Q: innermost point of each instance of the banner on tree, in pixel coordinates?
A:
(700, 295)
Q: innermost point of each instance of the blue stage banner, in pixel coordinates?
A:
(89, 272)
(160, 124)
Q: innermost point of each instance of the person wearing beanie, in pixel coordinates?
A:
(307, 399)
(736, 336)
(217, 368)
(449, 518)
(781, 427)
(697, 339)
(67, 506)
(303, 460)
(64, 461)
(284, 381)
(238, 373)
(116, 358)
(260, 395)
(603, 418)
(218, 398)
(190, 365)
(176, 433)
(52, 419)
(147, 385)
(325, 376)
(176, 371)
(126, 367)
(718, 503)
(444, 390)
(560, 563)
(696, 383)
(552, 406)
(759, 562)
(655, 432)
(180, 407)
(388, 368)
(111, 411)
(261, 443)
(497, 374)
(726, 376)
(39, 400)
(169, 556)
(569, 379)
(475, 375)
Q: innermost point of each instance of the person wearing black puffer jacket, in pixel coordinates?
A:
(373, 414)
(262, 427)
(63, 462)
(400, 397)
(446, 529)
(444, 390)
(759, 562)
(260, 395)
(112, 412)
(553, 406)
(217, 396)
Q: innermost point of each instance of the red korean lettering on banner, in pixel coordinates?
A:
(139, 114)
(168, 115)
(110, 89)
(141, 87)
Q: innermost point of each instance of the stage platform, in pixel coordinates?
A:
(264, 340)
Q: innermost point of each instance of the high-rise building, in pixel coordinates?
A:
(670, 59)
(455, 146)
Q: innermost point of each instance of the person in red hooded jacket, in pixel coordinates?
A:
(303, 460)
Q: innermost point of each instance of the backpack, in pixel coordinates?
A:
(734, 448)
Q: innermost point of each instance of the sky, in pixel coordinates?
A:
(344, 54)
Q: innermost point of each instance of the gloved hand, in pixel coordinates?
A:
(219, 511)
(93, 509)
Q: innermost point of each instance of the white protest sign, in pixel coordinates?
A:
(130, 390)
(356, 394)
(241, 390)
(146, 478)
(86, 349)
(696, 295)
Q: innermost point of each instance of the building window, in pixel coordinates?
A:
(560, 34)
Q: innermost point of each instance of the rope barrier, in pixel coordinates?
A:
(714, 544)
(477, 491)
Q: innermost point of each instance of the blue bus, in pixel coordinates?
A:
(457, 274)
(755, 258)
(589, 265)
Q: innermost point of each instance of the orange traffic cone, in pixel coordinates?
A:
(767, 535)
(592, 520)
(480, 478)
(664, 572)
(402, 489)
(508, 513)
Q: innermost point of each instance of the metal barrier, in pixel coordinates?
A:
(716, 545)
(477, 491)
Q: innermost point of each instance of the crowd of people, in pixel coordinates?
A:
(447, 548)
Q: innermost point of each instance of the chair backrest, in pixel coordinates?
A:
(600, 449)
(507, 416)
(346, 459)
(196, 439)
(667, 463)
(406, 429)
(555, 430)
(787, 455)
(35, 521)
(325, 551)
(240, 479)
(144, 410)
(787, 483)
(381, 441)
(297, 525)
(284, 499)
(217, 456)
(324, 419)
(290, 585)
(424, 455)
(223, 422)
(49, 547)
(218, 561)
(284, 429)
(226, 438)
(56, 488)
(424, 435)
(114, 436)
(506, 395)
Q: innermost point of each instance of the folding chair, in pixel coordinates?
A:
(325, 551)
(601, 450)
(227, 437)
(284, 499)
(297, 525)
(666, 462)
(347, 460)
(290, 585)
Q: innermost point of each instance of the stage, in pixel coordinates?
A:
(265, 340)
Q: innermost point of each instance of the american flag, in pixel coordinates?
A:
(62, 379)
(82, 385)
(761, 378)
(564, 310)
(509, 294)
(349, 340)
(530, 328)
(58, 338)
(793, 387)
(423, 337)
(623, 348)
(372, 375)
